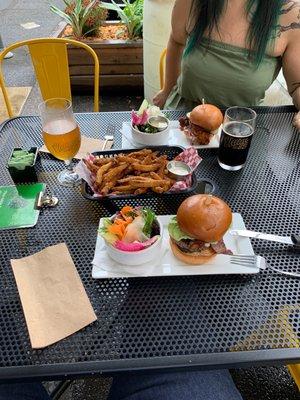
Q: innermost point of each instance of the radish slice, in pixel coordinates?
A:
(135, 246)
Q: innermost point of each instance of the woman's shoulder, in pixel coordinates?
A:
(180, 19)
(289, 15)
(288, 28)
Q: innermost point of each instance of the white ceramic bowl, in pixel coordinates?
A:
(136, 257)
(151, 139)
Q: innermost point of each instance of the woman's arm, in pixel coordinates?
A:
(291, 68)
(296, 121)
(176, 44)
(173, 60)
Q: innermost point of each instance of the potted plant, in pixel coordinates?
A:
(131, 15)
(118, 44)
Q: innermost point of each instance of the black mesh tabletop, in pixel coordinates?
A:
(164, 322)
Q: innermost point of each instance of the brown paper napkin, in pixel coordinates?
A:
(88, 145)
(53, 298)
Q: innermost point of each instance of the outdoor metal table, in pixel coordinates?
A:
(171, 322)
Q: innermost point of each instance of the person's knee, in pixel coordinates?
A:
(187, 385)
(23, 391)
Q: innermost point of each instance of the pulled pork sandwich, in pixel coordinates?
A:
(201, 123)
(196, 233)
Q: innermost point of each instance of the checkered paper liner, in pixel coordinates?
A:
(85, 174)
(191, 157)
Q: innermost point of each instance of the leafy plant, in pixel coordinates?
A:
(131, 15)
(84, 16)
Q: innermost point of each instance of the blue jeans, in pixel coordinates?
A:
(193, 385)
(23, 391)
(190, 385)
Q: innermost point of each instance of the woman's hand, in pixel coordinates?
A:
(296, 120)
(160, 98)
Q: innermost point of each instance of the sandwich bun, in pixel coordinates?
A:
(204, 217)
(202, 257)
(208, 116)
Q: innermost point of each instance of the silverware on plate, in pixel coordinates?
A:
(251, 261)
(293, 240)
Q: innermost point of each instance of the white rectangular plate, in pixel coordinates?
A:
(168, 265)
(176, 138)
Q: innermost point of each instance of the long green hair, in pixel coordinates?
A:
(263, 16)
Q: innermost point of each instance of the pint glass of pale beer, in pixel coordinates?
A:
(61, 135)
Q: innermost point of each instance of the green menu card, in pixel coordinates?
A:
(17, 205)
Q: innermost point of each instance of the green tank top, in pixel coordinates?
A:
(223, 76)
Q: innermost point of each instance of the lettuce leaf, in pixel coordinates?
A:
(143, 107)
(105, 224)
(109, 237)
(149, 218)
(175, 232)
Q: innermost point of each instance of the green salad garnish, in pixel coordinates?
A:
(175, 232)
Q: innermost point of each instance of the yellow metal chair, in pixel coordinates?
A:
(50, 60)
(294, 370)
(280, 322)
(162, 67)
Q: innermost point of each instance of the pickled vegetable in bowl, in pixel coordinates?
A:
(140, 119)
(131, 229)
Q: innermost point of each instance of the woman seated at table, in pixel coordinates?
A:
(230, 52)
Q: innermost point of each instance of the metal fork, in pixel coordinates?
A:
(251, 261)
(110, 132)
(258, 262)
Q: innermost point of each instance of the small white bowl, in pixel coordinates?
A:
(151, 139)
(137, 257)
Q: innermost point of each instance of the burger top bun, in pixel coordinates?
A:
(207, 116)
(204, 217)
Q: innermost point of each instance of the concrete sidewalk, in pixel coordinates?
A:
(18, 70)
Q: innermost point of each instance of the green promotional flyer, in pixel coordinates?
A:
(17, 205)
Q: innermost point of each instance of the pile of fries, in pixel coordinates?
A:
(133, 173)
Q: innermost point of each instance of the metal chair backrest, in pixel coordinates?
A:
(50, 60)
(162, 67)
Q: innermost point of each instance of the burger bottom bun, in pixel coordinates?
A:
(198, 258)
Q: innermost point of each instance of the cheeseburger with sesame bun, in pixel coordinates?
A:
(196, 233)
(202, 123)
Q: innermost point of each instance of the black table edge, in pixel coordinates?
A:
(6, 121)
(260, 109)
(156, 364)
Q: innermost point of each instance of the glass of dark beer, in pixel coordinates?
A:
(236, 136)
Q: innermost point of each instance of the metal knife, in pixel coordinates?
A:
(293, 240)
